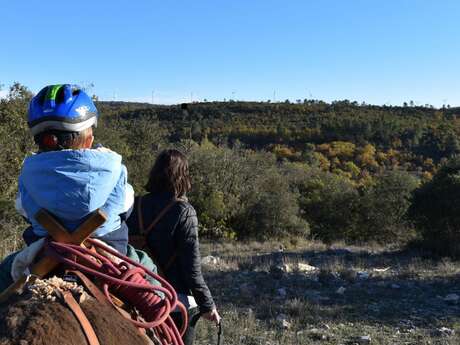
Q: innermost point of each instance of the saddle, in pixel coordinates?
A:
(121, 283)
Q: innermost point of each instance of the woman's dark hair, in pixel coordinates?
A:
(170, 174)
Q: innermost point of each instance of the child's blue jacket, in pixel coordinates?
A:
(73, 183)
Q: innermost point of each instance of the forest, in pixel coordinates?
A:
(339, 171)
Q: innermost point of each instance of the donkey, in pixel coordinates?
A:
(27, 320)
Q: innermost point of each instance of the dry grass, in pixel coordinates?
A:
(11, 233)
(400, 302)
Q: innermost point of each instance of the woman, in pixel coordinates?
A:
(170, 228)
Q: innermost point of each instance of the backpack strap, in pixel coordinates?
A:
(170, 261)
(146, 232)
(160, 215)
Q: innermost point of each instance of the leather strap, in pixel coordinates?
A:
(170, 261)
(146, 232)
(99, 295)
(91, 287)
(156, 220)
(88, 330)
(47, 264)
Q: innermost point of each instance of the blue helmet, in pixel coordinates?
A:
(61, 107)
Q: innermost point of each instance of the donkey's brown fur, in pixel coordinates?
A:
(28, 321)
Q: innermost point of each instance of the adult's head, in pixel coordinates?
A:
(62, 117)
(170, 174)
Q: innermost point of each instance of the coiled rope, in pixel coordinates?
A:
(126, 280)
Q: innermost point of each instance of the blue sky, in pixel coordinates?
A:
(365, 50)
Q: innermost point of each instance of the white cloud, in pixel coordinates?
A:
(3, 93)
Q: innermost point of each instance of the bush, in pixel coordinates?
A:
(338, 210)
(328, 203)
(217, 185)
(241, 193)
(271, 209)
(11, 228)
(15, 139)
(435, 210)
(383, 209)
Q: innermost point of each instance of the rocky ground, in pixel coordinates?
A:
(313, 294)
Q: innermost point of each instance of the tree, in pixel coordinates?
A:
(328, 204)
(452, 145)
(19, 93)
(15, 139)
(434, 210)
(383, 208)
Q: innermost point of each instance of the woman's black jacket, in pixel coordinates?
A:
(175, 234)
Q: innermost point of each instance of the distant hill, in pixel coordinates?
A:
(338, 171)
(344, 137)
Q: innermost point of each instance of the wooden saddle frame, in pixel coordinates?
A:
(47, 263)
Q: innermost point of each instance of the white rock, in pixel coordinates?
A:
(452, 298)
(316, 334)
(282, 321)
(305, 268)
(363, 275)
(341, 290)
(380, 270)
(446, 331)
(209, 260)
(281, 292)
(364, 339)
(286, 324)
(287, 268)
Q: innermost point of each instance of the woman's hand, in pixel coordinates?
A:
(212, 315)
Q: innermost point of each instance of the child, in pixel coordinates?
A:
(66, 176)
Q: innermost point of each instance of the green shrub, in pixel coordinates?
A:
(217, 185)
(15, 139)
(271, 209)
(11, 228)
(242, 193)
(337, 210)
(435, 210)
(383, 208)
(328, 203)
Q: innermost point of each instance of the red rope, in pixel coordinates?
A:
(127, 280)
